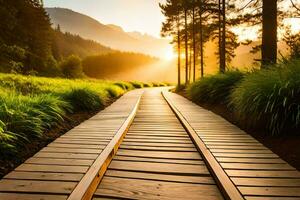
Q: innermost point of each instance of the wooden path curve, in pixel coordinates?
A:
(149, 145)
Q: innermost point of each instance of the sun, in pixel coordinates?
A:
(169, 55)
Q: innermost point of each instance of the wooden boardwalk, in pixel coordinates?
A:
(153, 146)
(257, 172)
(157, 159)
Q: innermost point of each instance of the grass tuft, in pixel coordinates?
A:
(214, 89)
(271, 96)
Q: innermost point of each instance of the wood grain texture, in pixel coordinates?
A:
(146, 189)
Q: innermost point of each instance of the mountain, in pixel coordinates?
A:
(109, 35)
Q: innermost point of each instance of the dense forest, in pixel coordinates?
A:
(102, 66)
(29, 44)
(194, 23)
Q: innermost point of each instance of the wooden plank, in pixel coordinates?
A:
(155, 138)
(160, 154)
(59, 161)
(79, 145)
(250, 147)
(158, 160)
(242, 151)
(250, 160)
(153, 144)
(245, 155)
(44, 176)
(29, 186)
(175, 149)
(263, 174)
(141, 189)
(270, 198)
(159, 167)
(71, 150)
(283, 182)
(271, 191)
(160, 177)
(51, 168)
(185, 141)
(65, 155)
(22, 196)
(257, 166)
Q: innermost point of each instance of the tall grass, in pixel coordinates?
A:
(268, 97)
(214, 89)
(271, 96)
(31, 105)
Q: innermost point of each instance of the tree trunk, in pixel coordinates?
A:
(201, 40)
(186, 48)
(223, 40)
(220, 35)
(179, 51)
(269, 33)
(194, 45)
(190, 63)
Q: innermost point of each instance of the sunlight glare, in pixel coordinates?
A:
(169, 55)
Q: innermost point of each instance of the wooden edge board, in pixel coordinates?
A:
(86, 188)
(229, 190)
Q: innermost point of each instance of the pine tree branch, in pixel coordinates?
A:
(245, 6)
(295, 6)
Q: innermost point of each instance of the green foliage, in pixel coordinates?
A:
(271, 96)
(51, 69)
(180, 88)
(215, 89)
(12, 58)
(159, 84)
(6, 141)
(71, 67)
(293, 42)
(148, 85)
(137, 84)
(84, 99)
(103, 66)
(25, 25)
(124, 85)
(115, 91)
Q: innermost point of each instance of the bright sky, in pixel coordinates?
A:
(132, 15)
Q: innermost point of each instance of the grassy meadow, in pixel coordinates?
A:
(30, 105)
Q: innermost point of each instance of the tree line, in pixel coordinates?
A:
(193, 23)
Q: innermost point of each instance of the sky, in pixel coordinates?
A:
(132, 15)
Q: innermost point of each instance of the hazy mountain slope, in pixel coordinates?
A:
(65, 44)
(108, 35)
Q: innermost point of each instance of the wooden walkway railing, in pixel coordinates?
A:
(153, 146)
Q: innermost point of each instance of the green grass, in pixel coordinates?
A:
(29, 105)
(271, 96)
(214, 89)
(137, 84)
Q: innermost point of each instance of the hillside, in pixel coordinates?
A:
(65, 44)
(108, 35)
